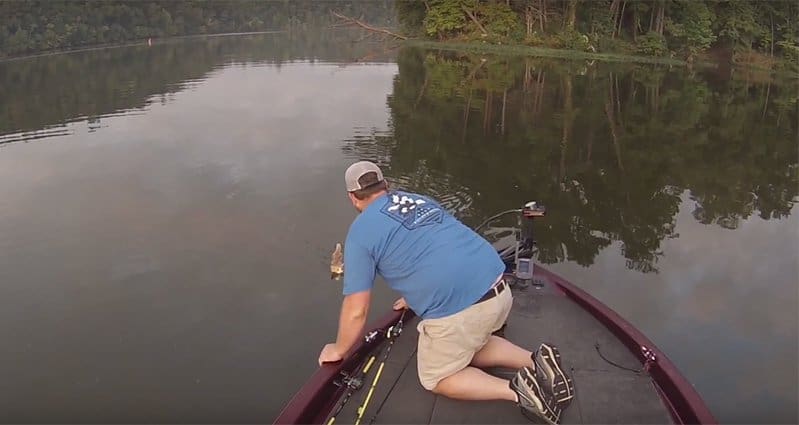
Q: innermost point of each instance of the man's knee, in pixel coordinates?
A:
(438, 388)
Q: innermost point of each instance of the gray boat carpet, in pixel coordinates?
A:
(605, 394)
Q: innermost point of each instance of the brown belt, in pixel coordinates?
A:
(494, 291)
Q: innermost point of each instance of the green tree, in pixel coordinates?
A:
(31, 26)
(652, 27)
(446, 17)
(691, 26)
(738, 23)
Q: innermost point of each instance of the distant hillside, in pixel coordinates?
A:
(34, 26)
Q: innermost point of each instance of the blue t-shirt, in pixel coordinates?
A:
(438, 264)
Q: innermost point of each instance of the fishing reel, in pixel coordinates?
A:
(394, 331)
(348, 381)
(370, 336)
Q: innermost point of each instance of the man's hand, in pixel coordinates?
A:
(329, 354)
(400, 304)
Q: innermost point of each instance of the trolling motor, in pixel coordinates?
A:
(520, 255)
(532, 209)
(526, 242)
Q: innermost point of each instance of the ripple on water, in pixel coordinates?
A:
(456, 198)
(372, 144)
(26, 136)
(68, 127)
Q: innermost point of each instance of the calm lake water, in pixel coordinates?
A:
(167, 213)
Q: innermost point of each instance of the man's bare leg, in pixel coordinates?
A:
(501, 352)
(474, 384)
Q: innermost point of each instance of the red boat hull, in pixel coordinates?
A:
(312, 403)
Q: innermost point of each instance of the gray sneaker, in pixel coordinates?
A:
(547, 362)
(532, 399)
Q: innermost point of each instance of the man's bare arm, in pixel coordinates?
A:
(354, 310)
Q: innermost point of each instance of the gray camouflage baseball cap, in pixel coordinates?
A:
(357, 170)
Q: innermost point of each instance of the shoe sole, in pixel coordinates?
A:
(562, 385)
(529, 379)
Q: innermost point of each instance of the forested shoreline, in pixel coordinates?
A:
(28, 27)
(739, 31)
(746, 32)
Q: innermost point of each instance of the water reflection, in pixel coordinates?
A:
(163, 256)
(609, 149)
(167, 229)
(27, 136)
(94, 85)
(669, 197)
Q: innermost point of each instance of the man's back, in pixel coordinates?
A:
(438, 264)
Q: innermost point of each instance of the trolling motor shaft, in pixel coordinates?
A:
(525, 244)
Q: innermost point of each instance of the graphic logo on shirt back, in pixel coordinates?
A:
(412, 211)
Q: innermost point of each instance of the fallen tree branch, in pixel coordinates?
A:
(373, 54)
(473, 72)
(474, 19)
(353, 21)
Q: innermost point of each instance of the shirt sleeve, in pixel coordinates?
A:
(359, 265)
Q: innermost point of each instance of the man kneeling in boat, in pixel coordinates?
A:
(453, 279)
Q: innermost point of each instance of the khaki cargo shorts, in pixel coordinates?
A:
(448, 344)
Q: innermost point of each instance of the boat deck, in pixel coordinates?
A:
(604, 393)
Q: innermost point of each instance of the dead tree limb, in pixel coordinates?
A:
(473, 72)
(474, 19)
(353, 21)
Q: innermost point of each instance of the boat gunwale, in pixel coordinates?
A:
(318, 396)
(684, 403)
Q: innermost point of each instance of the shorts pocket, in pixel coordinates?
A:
(436, 330)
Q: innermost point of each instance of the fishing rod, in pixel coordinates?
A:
(392, 333)
(355, 382)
